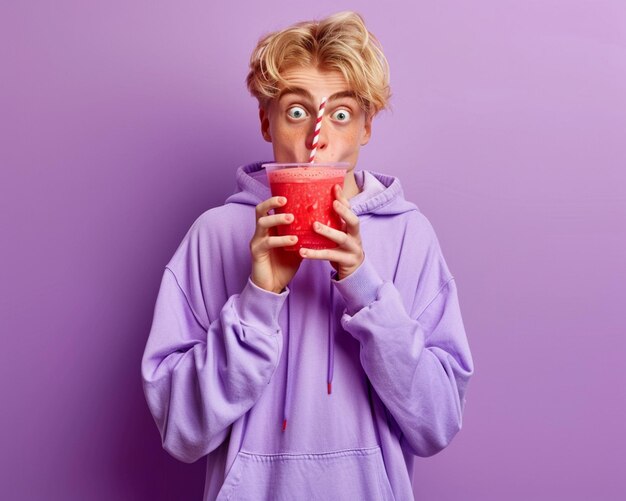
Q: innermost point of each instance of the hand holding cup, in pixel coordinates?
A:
(349, 254)
(272, 267)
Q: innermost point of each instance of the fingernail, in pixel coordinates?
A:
(316, 226)
(281, 200)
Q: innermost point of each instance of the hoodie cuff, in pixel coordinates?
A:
(359, 289)
(257, 307)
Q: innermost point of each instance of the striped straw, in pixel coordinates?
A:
(318, 126)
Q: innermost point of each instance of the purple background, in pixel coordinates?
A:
(122, 122)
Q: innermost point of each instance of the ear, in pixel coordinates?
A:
(367, 130)
(265, 125)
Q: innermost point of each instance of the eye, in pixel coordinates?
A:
(341, 115)
(296, 112)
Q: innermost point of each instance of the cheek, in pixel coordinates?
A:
(287, 134)
(355, 131)
(351, 137)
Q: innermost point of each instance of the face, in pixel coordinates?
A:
(288, 122)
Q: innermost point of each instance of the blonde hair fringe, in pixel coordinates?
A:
(339, 42)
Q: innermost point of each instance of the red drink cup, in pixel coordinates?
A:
(308, 188)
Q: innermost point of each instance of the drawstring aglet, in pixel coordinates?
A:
(330, 388)
(284, 424)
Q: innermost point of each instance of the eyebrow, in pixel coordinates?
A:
(303, 92)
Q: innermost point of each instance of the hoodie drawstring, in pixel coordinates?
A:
(331, 339)
(287, 402)
(331, 354)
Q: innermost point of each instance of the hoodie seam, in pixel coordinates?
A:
(277, 351)
(311, 455)
(195, 316)
(437, 294)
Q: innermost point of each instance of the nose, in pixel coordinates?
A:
(322, 137)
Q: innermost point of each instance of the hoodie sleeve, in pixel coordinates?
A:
(414, 348)
(198, 380)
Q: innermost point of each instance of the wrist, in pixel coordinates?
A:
(360, 289)
(258, 307)
(346, 272)
(275, 290)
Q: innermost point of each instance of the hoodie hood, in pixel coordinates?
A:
(379, 194)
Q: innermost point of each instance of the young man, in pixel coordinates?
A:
(317, 375)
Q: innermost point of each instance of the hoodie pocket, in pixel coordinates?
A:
(348, 474)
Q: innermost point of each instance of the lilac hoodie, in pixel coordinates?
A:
(367, 372)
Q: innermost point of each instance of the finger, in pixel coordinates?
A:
(336, 256)
(266, 205)
(351, 219)
(274, 242)
(340, 195)
(264, 244)
(266, 222)
(336, 236)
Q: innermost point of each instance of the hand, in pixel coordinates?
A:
(272, 266)
(349, 255)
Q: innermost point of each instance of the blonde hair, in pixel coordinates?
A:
(339, 42)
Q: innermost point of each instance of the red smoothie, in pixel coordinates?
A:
(309, 193)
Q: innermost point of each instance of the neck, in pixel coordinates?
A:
(350, 188)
